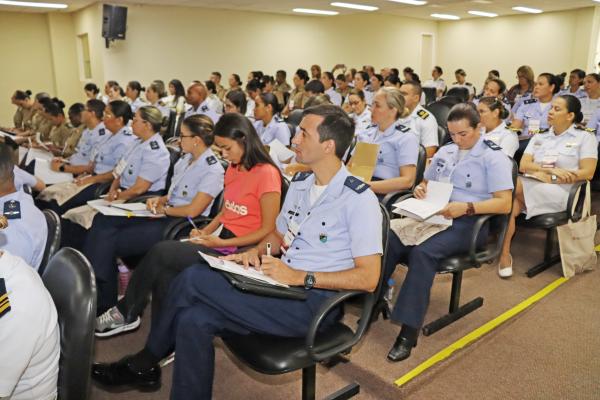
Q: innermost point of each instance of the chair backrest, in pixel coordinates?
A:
(440, 111)
(430, 94)
(348, 154)
(53, 240)
(295, 117)
(174, 154)
(71, 282)
(285, 185)
(459, 92)
(292, 129)
(216, 205)
(421, 162)
(171, 125)
(451, 100)
(443, 136)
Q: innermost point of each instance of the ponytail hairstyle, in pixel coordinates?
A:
(22, 95)
(573, 106)
(201, 126)
(91, 87)
(115, 85)
(153, 116)
(238, 99)
(269, 99)
(394, 99)
(135, 85)
(552, 80)
(55, 107)
(494, 104)
(158, 87)
(121, 109)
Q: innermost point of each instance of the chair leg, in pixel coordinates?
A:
(456, 311)
(309, 377)
(549, 260)
(345, 393)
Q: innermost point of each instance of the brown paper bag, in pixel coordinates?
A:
(576, 241)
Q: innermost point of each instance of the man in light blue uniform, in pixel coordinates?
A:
(197, 95)
(276, 129)
(27, 232)
(329, 234)
(481, 175)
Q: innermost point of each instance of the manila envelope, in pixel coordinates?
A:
(362, 163)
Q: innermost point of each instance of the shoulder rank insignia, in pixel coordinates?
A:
(492, 145)
(154, 145)
(101, 132)
(4, 300)
(204, 108)
(529, 101)
(301, 176)
(356, 184)
(277, 118)
(542, 130)
(371, 126)
(423, 114)
(402, 128)
(211, 160)
(12, 209)
(468, 84)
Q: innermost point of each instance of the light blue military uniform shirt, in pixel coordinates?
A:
(398, 146)
(110, 149)
(594, 123)
(580, 93)
(90, 138)
(334, 96)
(148, 160)
(204, 175)
(136, 104)
(203, 109)
(23, 178)
(27, 231)
(276, 129)
(530, 112)
(475, 173)
(342, 224)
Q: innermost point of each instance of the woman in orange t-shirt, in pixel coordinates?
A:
(251, 203)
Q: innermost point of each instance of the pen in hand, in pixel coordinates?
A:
(268, 249)
(191, 221)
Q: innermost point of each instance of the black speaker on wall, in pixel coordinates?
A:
(114, 22)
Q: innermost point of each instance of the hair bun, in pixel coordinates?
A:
(578, 117)
(142, 89)
(28, 92)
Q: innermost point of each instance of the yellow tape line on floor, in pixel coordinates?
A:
(477, 333)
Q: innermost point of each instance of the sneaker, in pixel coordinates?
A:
(112, 322)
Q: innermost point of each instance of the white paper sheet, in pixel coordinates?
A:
(32, 154)
(238, 269)
(438, 195)
(109, 209)
(49, 177)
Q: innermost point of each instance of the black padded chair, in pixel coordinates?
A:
(549, 222)
(292, 129)
(443, 136)
(430, 94)
(294, 117)
(459, 92)
(595, 182)
(70, 280)
(173, 126)
(391, 198)
(275, 355)
(53, 240)
(350, 150)
(451, 100)
(440, 111)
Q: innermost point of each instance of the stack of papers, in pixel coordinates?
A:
(113, 209)
(279, 152)
(49, 177)
(437, 197)
(33, 154)
(235, 268)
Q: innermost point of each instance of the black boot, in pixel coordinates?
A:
(406, 340)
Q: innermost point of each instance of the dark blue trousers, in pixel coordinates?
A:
(423, 260)
(112, 237)
(201, 305)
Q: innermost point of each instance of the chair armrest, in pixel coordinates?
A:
(176, 227)
(481, 220)
(102, 189)
(365, 319)
(141, 198)
(575, 215)
(391, 198)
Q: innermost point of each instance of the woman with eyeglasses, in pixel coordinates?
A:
(359, 110)
(481, 175)
(197, 181)
(523, 89)
(493, 113)
(251, 203)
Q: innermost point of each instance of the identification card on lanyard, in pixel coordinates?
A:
(118, 171)
(294, 227)
(550, 158)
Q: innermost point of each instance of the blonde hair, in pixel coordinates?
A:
(152, 115)
(394, 99)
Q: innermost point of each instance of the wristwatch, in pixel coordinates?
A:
(470, 209)
(309, 281)
(553, 178)
(61, 168)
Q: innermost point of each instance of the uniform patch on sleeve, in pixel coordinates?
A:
(12, 209)
(154, 145)
(301, 176)
(402, 128)
(530, 101)
(423, 114)
(4, 300)
(204, 108)
(211, 160)
(101, 132)
(492, 145)
(356, 184)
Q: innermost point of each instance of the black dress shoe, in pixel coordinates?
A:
(401, 349)
(121, 376)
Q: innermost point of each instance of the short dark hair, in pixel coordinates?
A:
(315, 86)
(393, 79)
(363, 75)
(500, 84)
(253, 85)
(460, 71)
(395, 71)
(573, 106)
(135, 85)
(97, 107)
(201, 126)
(91, 87)
(22, 95)
(495, 72)
(464, 111)
(439, 69)
(415, 85)
(121, 109)
(336, 126)
(281, 72)
(579, 72)
(76, 108)
(302, 74)
(238, 98)
(210, 86)
(552, 80)
(217, 73)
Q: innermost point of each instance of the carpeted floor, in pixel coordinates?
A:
(550, 351)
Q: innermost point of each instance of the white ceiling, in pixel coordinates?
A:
(456, 7)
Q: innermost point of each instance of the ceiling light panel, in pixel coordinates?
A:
(31, 4)
(355, 6)
(315, 12)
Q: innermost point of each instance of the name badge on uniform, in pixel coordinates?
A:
(550, 158)
(121, 165)
(534, 126)
(289, 236)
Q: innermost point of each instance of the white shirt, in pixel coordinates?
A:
(424, 125)
(439, 84)
(334, 96)
(503, 137)
(362, 121)
(589, 107)
(215, 103)
(29, 335)
(315, 193)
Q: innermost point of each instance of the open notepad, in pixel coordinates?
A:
(437, 197)
(47, 175)
(113, 209)
(235, 268)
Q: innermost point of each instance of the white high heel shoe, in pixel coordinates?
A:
(505, 272)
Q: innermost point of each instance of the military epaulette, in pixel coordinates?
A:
(204, 108)
(12, 209)
(492, 145)
(402, 128)
(530, 101)
(371, 126)
(101, 132)
(543, 130)
(211, 160)
(468, 84)
(277, 118)
(4, 300)
(154, 145)
(423, 114)
(585, 129)
(356, 184)
(515, 130)
(301, 176)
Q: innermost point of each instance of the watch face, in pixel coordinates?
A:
(309, 281)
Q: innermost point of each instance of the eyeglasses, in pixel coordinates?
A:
(354, 103)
